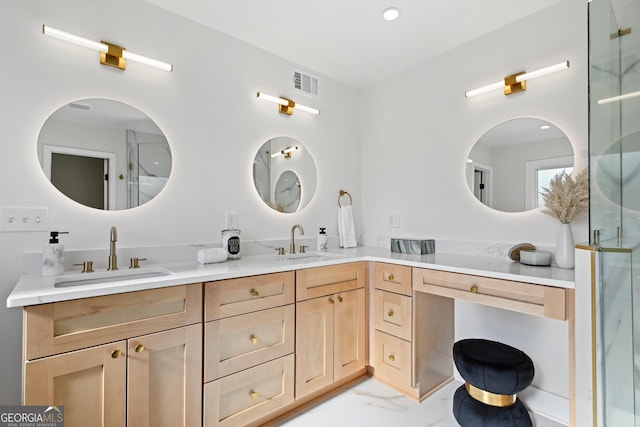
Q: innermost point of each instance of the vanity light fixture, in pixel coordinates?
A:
(286, 105)
(619, 98)
(286, 153)
(517, 82)
(110, 54)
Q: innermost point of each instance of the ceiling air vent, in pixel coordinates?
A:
(305, 83)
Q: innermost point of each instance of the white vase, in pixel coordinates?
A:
(565, 248)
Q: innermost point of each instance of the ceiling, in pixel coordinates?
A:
(347, 39)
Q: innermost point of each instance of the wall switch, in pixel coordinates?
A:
(232, 220)
(393, 220)
(24, 219)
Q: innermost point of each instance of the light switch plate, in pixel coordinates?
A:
(24, 219)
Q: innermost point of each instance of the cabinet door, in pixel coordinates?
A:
(165, 378)
(89, 383)
(314, 344)
(349, 333)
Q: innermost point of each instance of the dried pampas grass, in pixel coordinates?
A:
(566, 198)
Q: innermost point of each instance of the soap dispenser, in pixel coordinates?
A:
(322, 240)
(53, 256)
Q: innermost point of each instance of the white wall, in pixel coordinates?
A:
(206, 107)
(418, 129)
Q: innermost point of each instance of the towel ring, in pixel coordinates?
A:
(344, 193)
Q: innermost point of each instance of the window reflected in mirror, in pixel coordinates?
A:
(511, 163)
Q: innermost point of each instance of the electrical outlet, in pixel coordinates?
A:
(24, 219)
(232, 220)
(393, 220)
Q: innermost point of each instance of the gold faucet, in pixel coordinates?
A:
(113, 258)
(292, 246)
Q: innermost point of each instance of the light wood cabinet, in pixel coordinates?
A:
(89, 383)
(164, 384)
(528, 298)
(392, 341)
(330, 327)
(143, 380)
(249, 395)
(249, 345)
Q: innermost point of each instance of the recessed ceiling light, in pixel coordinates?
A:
(390, 14)
(545, 127)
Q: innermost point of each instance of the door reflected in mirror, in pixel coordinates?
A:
(284, 174)
(104, 154)
(511, 163)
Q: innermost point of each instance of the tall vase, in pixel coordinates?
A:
(565, 248)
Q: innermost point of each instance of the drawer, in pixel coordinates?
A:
(249, 395)
(539, 300)
(232, 297)
(392, 359)
(392, 314)
(332, 279)
(392, 278)
(239, 342)
(71, 325)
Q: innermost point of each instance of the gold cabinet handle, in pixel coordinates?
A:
(255, 293)
(331, 301)
(116, 353)
(390, 314)
(254, 339)
(392, 358)
(339, 299)
(390, 278)
(139, 348)
(254, 394)
(473, 289)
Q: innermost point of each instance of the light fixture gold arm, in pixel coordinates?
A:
(113, 57)
(287, 109)
(512, 85)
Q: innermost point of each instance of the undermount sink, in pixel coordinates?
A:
(309, 255)
(78, 279)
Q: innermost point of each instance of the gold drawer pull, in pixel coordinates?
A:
(255, 293)
(390, 314)
(254, 394)
(254, 339)
(116, 353)
(139, 348)
(331, 301)
(390, 278)
(339, 299)
(392, 358)
(473, 289)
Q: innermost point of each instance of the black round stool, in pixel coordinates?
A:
(494, 372)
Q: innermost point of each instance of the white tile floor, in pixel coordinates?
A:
(370, 403)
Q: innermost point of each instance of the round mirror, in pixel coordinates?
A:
(511, 163)
(104, 154)
(284, 174)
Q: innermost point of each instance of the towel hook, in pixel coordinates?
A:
(344, 193)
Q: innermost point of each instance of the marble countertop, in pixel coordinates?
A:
(35, 289)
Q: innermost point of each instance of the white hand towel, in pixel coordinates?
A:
(346, 228)
(209, 256)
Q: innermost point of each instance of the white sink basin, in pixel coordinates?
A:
(310, 256)
(78, 279)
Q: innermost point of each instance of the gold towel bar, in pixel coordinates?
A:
(344, 193)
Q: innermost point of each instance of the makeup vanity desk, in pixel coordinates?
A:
(410, 302)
